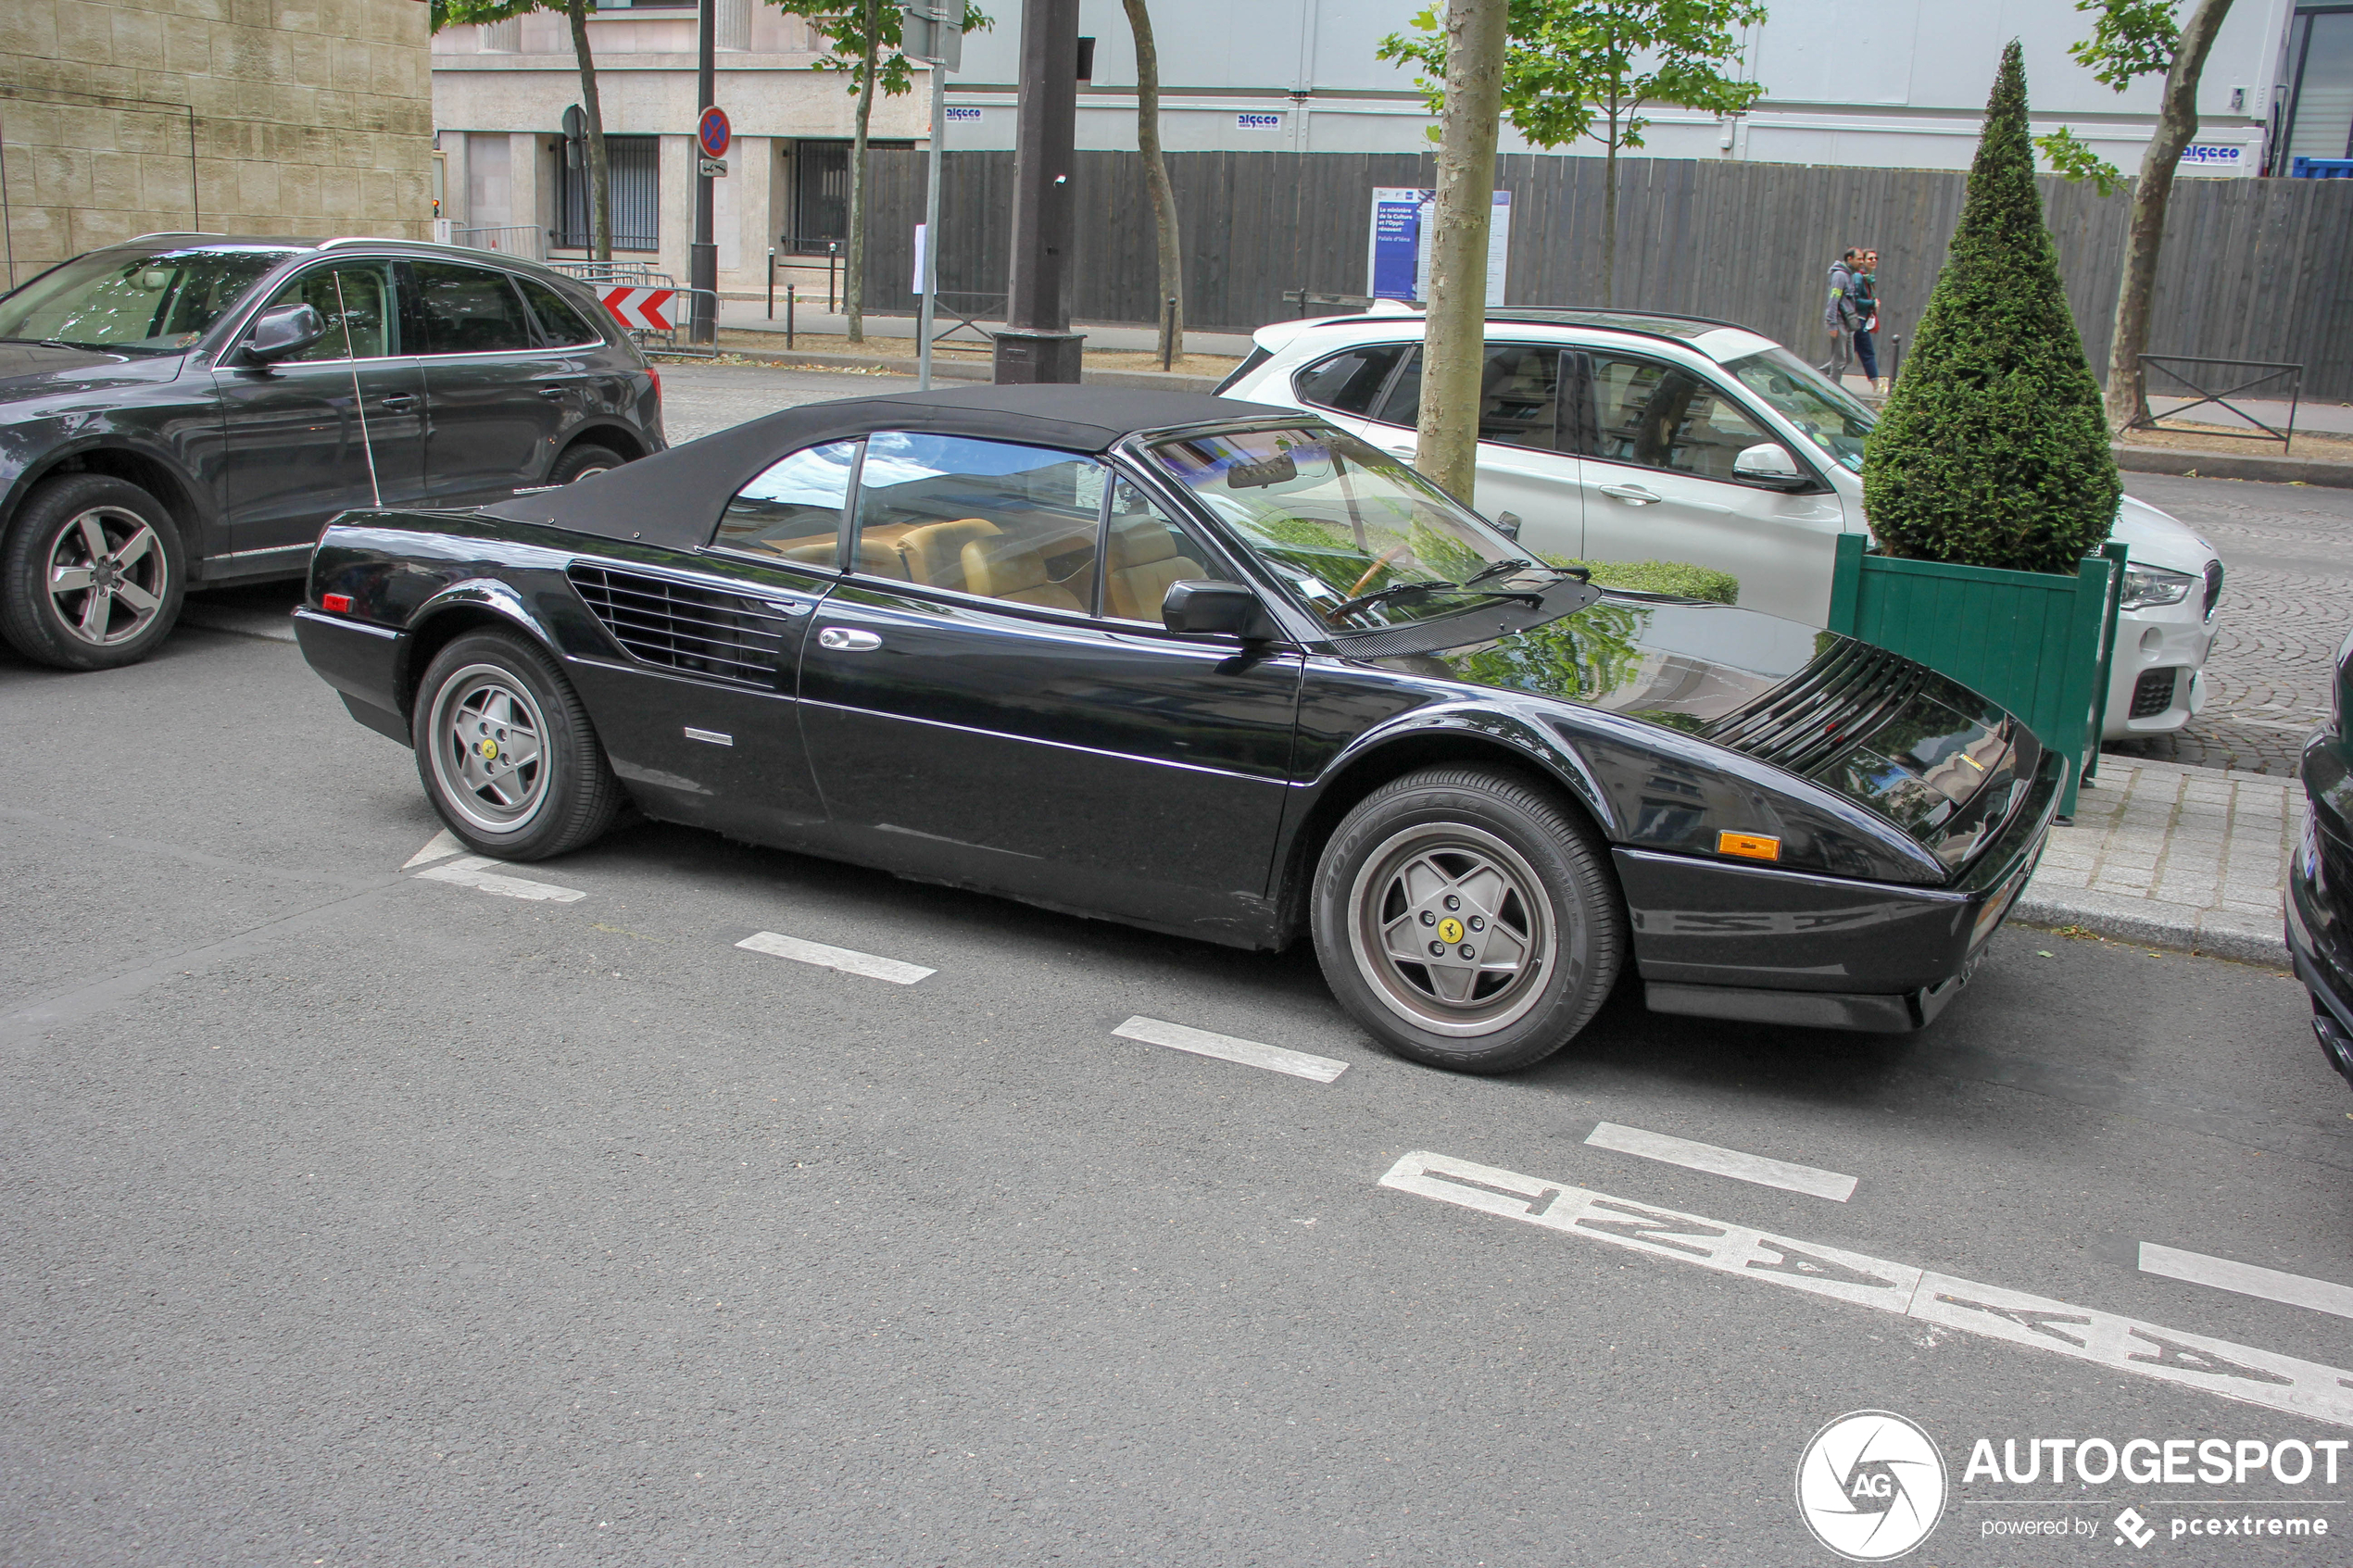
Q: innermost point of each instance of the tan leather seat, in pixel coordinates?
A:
(818, 553)
(1016, 574)
(880, 557)
(1144, 562)
(935, 553)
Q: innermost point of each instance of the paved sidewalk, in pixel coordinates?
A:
(2174, 856)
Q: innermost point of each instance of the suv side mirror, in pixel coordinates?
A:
(1198, 607)
(284, 331)
(1769, 463)
(1507, 525)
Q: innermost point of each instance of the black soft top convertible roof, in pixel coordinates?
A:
(674, 498)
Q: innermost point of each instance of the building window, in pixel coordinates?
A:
(635, 164)
(2320, 114)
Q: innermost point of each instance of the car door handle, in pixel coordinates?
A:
(551, 393)
(845, 640)
(1632, 494)
(400, 402)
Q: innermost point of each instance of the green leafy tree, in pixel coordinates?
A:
(1991, 451)
(2132, 39)
(1588, 68)
(467, 13)
(863, 39)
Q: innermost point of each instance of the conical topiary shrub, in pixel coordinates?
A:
(1993, 450)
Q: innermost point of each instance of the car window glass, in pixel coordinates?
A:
(1666, 417)
(794, 508)
(1403, 406)
(469, 310)
(558, 319)
(1518, 392)
(356, 302)
(157, 304)
(980, 517)
(1803, 395)
(1145, 552)
(1347, 384)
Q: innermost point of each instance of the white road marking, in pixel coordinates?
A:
(2106, 1339)
(1249, 1053)
(440, 846)
(471, 872)
(1723, 1161)
(842, 959)
(2247, 1279)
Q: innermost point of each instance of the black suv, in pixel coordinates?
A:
(189, 409)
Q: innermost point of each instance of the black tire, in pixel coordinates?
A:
(1532, 940)
(488, 690)
(583, 461)
(132, 587)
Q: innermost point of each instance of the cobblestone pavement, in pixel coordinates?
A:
(700, 398)
(2287, 602)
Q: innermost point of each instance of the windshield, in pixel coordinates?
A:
(1364, 540)
(157, 304)
(1801, 395)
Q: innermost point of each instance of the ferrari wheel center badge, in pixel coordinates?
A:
(489, 749)
(1449, 930)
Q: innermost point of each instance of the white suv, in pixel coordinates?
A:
(1618, 435)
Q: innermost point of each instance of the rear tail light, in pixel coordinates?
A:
(654, 372)
(338, 604)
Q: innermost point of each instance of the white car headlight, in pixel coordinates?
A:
(2147, 585)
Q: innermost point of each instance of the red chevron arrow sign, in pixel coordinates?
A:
(640, 310)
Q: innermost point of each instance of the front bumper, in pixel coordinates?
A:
(2151, 642)
(2319, 941)
(1718, 940)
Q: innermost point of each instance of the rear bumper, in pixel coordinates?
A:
(362, 663)
(1718, 940)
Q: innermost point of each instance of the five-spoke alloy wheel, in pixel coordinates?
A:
(506, 750)
(92, 574)
(1467, 917)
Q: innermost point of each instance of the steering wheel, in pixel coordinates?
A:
(1387, 558)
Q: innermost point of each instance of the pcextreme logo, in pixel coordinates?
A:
(1870, 1486)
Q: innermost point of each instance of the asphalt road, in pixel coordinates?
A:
(360, 1217)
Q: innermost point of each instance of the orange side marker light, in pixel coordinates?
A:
(1748, 845)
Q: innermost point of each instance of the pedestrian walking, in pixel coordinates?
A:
(1866, 307)
(1839, 314)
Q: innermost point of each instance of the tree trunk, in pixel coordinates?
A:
(1609, 214)
(600, 171)
(1455, 339)
(854, 271)
(1172, 263)
(2128, 400)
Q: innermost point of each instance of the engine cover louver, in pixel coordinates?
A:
(1845, 694)
(684, 626)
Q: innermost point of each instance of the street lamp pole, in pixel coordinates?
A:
(1037, 345)
(703, 257)
(931, 221)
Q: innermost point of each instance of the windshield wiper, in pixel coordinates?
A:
(1419, 591)
(1504, 567)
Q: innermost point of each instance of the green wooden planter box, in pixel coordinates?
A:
(2034, 642)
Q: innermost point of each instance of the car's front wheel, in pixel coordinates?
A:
(92, 574)
(506, 753)
(584, 461)
(1468, 919)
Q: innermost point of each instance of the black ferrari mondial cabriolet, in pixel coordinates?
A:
(1210, 668)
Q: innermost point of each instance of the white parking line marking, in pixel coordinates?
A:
(440, 846)
(2247, 1279)
(842, 959)
(1723, 1161)
(1249, 1053)
(471, 873)
(2106, 1339)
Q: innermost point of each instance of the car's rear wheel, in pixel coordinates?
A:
(1468, 919)
(584, 461)
(91, 575)
(506, 753)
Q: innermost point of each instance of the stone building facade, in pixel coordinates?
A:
(258, 117)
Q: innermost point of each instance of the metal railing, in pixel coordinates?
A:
(2194, 382)
(968, 316)
(606, 276)
(512, 239)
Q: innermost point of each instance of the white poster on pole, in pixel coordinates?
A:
(921, 239)
(1397, 250)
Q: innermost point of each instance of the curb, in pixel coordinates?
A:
(2235, 465)
(956, 369)
(2216, 933)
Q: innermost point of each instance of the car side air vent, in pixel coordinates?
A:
(684, 626)
(1847, 690)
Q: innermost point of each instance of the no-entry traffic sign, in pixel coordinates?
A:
(640, 309)
(713, 132)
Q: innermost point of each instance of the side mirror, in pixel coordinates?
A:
(1769, 463)
(284, 331)
(1507, 525)
(1198, 608)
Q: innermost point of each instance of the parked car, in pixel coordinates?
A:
(1208, 667)
(1757, 471)
(2320, 896)
(186, 410)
